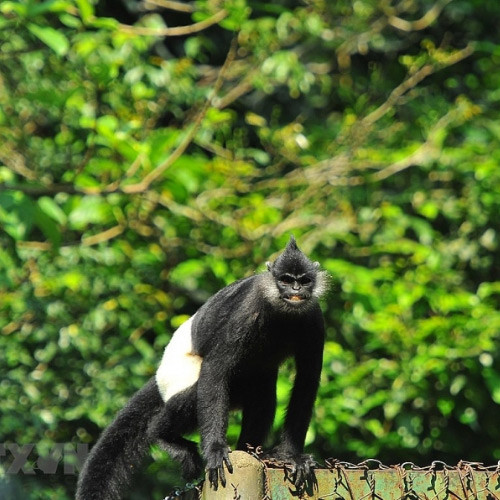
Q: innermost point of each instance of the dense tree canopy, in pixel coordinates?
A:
(152, 152)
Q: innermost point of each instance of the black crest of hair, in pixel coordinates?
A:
(293, 261)
(229, 353)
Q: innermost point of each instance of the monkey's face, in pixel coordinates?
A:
(295, 290)
(294, 283)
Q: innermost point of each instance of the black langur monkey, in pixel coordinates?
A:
(225, 356)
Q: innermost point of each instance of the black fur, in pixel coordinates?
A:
(242, 333)
(117, 453)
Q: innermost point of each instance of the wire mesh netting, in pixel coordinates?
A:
(368, 480)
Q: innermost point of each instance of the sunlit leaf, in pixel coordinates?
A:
(55, 39)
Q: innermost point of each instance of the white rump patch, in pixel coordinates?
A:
(180, 366)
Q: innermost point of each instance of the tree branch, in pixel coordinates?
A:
(235, 93)
(426, 20)
(38, 191)
(143, 185)
(178, 30)
(397, 93)
(181, 148)
(169, 4)
(16, 162)
(106, 235)
(412, 81)
(430, 149)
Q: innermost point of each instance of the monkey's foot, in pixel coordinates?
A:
(192, 467)
(216, 459)
(299, 467)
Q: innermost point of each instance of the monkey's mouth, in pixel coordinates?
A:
(294, 299)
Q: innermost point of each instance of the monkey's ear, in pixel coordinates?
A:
(269, 266)
(316, 265)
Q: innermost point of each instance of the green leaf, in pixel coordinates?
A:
(17, 214)
(54, 39)
(492, 378)
(37, 8)
(188, 273)
(86, 10)
(10, 7)
(70, 21)
(107, 125)
(48, 227)
(105, 23)
(90, 210)
(52, 209)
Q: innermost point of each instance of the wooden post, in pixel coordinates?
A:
(247, 482)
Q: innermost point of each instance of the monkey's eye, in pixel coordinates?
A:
(304, 280)
(287, 279)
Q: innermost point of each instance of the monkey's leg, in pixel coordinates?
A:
(177, 418)
(259, 407)
(186, 453)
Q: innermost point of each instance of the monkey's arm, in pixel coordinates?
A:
(213, 410)
(259, 407)
(308, 358)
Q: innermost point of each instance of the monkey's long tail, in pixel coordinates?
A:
(113, 459)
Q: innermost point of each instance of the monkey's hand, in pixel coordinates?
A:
(216, 458)
(299, 467)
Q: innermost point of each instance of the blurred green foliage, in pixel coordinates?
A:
(144, 166)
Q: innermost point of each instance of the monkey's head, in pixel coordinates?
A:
(298, 280)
